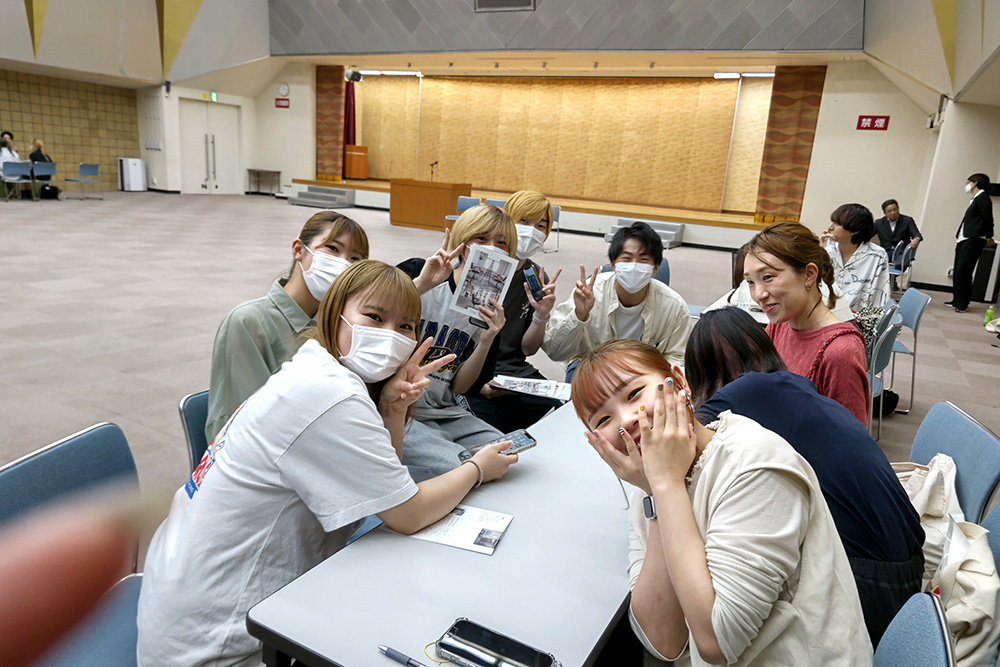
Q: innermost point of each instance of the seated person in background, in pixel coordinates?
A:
(441, 427)
(524, 330)
(289, 477)
(39, 155)
(8, 136)
(731, 364)
(893, 228)
(625, 303)
(734, 555)
(256, 337)
(861, 268)
(783, 266)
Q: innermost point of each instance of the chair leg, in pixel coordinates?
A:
(913, 380)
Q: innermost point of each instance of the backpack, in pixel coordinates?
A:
(47, 191)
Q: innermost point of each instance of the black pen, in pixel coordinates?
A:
(401, 658)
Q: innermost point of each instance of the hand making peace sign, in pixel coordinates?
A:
(405, 387)
(583, 294)
(438, 266)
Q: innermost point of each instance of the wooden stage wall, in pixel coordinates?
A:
(662, 142)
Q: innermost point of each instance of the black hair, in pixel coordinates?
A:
(889, 202)
(723, 345)
(979, 180)
(644, 234)
(8, 133)
(856, 219)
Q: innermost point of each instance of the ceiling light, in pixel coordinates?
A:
(758, 75)
(727, 75)
(371, 72)
(387, 72)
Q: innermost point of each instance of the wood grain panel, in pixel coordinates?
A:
(748, 146)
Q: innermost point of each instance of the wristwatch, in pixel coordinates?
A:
(649, 507)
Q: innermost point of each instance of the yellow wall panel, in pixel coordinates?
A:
(748, 146)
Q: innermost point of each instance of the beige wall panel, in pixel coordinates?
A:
(390, 121)
(748, 146)
(651, 141)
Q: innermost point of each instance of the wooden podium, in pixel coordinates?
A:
(356, 162)
(424, 203)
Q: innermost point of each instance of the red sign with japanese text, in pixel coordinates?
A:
(281, 102)
(873, 123)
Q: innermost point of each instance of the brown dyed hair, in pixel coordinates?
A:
(332, 224)
(795, 245)
(605, 367)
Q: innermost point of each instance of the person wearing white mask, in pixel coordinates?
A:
(524, 330)
(623, 303)
(297, 467)
(974, 233)
(257, 336)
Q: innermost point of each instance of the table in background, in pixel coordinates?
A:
(423, 204)
(557, 580)
(254, 176)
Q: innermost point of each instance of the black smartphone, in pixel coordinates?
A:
(520, 440)
(534, 284)
(471, 645)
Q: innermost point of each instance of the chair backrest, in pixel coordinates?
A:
(882, 351)
(663, 273)
(911, 307)
(992, 523)
(897, 252)
(45, 169)
(889, 309)
(974, 448)
(93, 457)
(16, 169)
(907, 257)
(88, 170)
(917, 635)
(465, 203)
(496, 202)
(194, 413)
(555, 214)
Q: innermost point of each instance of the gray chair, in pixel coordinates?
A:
(911, 307)
(44, 171)
(16, 175)
(89, 173)
(555, 226)
(193, 409)
(881, 355)
(496, 202)
(976, 451)
(918, 636)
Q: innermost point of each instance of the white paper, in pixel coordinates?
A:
(471, 528)
(487, 274)
(533, 386)
(956, 544)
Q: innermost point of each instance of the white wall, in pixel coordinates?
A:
(286, 138)
(969, 143)
(223, 34)
(864, 166)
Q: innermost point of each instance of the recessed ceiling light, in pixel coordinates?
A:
(727, 75)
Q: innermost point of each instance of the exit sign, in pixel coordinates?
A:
(873, 123)
(282, 102)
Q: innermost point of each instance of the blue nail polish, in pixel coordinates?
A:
(670, 382)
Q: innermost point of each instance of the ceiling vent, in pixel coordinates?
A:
(505, 5)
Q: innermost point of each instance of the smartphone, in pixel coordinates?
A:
(478, 323)
(520, 440)
(534, 284)
(469, 644)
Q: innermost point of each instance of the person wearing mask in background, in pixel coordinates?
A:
(623, 303)
(860, 268)
(974, 233)
(524, 330)
(256, 337)
(894, 227)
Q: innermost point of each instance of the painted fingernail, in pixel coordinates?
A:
(642, 407)
(659, 387)
(622, 431)
(670, 382)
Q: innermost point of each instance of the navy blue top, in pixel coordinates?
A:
(873, 515)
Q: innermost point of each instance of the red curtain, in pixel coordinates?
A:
(349, 114)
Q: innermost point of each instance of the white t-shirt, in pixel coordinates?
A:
(628, 321)
(281, 488)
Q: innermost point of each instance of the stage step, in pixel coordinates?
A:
(319, 196)
(671, 233)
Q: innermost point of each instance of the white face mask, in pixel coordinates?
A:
(321, 273)
(968, 188)
(376, 353)
(529, 241)
(633, 276)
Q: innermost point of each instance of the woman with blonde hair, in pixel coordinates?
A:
(733, 554)
(257, 336)
(783, 266)
(524, 330)
(442, 427)
(295, 470)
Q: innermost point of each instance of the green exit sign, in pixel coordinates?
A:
(214, 96)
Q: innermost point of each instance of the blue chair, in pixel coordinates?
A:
(917, 636)
(663, 273)
(16, 174)
(911, 307)
(896, 268)
(496, 202)
(44, 171)
(881, 355)
(975, 449)
(107, 637)
(88, 174)
(193, 409)
(368, 524)
(992, 523)
(93, 457)
(464, 203)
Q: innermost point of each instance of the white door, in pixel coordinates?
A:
(210, 148)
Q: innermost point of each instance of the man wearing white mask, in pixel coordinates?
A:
(625, 303)
(524, 330)
(257, 336)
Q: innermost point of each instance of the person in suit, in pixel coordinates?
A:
(893, 227)
(974, 233)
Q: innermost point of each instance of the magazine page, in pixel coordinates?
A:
(467, 527)
(487, 275)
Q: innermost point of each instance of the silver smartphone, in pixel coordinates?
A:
(469, 644)
(520, 440)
